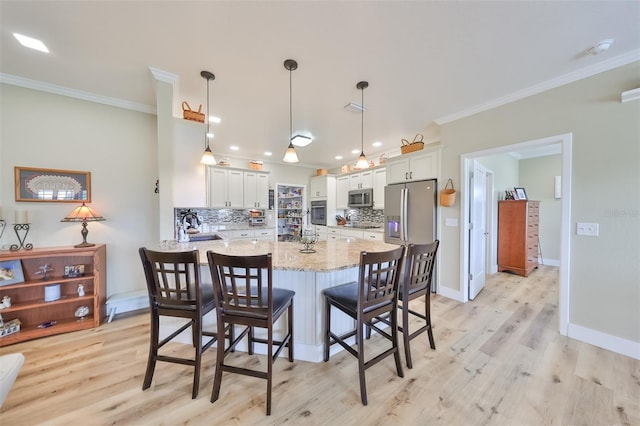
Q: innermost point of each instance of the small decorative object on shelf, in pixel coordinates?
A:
(82, 312)
(6, 302)
(80, 290)
(10, 327)
(51, 293)
(42, 270)
(47, 324)
(71, 271)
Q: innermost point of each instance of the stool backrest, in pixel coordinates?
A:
(378, 280)
(420, 261)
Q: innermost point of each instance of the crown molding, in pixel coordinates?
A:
(571, 77)
(73, 93)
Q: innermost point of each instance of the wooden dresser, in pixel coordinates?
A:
(518, 236)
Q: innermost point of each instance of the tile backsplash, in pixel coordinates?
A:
(365, 214)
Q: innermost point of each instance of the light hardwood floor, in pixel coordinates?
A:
(499, 360)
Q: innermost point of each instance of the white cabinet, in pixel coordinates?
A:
(226, 188)
(318, 187)
(379, 182)
(351, 233)
(258, 234)
(265, 234)
(361, 180)
(256, 190)
(342, 192)
(415, 166)
(243, 234)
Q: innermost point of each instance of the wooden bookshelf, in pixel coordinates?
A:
(28, 301)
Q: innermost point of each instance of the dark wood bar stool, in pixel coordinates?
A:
(246, 297)
(420, 262)
(175, 290)
(374, 294)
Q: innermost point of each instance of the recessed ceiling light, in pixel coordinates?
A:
(301, 140)
(355, 151)
(234, 148)
(338, 157)
(214, 119)
(30, 42)
(210, 135)
(268, 153)
(601, 46)
(377, 143)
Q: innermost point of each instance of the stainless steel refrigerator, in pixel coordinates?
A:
(410, 212)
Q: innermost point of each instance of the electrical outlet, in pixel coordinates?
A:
(588, 229)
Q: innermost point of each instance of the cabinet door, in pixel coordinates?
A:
(423, 166)
(379, 182)
(250, 189)
(318, 187)
(262, 190)
(366, 179)
(397, 170)
(342, 192)
(355, 181)
(235, 189)
(218, 183)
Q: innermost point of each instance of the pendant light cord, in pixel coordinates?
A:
(362, 122)
(206, 119)
(290, 107)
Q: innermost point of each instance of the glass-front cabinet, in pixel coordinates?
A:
(290, 202)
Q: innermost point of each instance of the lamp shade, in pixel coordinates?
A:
(83, 213)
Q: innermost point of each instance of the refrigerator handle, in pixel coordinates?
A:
(403, 221)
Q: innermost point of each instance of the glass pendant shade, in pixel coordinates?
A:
(208, 158)
(362, 163)
(290, 156)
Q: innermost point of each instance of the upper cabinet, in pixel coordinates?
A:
(342, 192)
(226, 188)
(379, 182)
(256, 190)
(361, 180)
(419, 165)
(318, 187)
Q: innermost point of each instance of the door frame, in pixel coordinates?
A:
(565, 140)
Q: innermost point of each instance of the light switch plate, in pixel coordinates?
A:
(588, 229)
(451, 221)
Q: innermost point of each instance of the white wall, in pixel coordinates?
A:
(604, 271)
(117, 146)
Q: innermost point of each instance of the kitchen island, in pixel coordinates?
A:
(335, 262)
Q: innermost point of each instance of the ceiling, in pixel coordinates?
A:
(426, 62)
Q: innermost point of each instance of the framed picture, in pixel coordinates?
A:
(71, 271)
(11, 272)
(520, 193)
(50, 185)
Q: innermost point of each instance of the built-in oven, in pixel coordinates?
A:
(318, 212)
(361, 198)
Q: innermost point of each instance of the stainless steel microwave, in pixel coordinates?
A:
(361, 198)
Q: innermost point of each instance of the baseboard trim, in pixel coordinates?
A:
(450, 293)
(606, 341)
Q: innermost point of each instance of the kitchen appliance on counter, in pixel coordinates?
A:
(361, 198)
(410, 213)
(318, 212)
(256, 217)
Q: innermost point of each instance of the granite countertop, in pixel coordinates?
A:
(330, 255)
(357, 228)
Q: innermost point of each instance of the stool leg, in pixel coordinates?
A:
(153, 349)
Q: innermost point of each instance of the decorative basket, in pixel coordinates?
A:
(255, 165)
(416, 145)
(448, 195)
(321, 172)
(192, 115)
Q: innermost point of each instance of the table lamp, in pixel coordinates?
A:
(83, 214)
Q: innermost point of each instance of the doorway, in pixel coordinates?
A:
(565, 142)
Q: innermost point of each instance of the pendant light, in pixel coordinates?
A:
(362, 160)
(290, 156)
(207, 157)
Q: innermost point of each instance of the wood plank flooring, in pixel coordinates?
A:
(499, 361)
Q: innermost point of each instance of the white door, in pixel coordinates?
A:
(478, 229)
